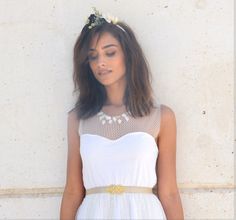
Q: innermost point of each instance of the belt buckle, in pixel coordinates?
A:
(115, 189)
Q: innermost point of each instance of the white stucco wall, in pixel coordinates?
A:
(189, 45)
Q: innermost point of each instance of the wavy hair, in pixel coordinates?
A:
(138, 96)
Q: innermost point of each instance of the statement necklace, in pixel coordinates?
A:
(105, 118)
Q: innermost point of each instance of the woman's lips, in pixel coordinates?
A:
(104, 72)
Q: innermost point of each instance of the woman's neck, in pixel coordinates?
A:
(114, 104)
(115, 92)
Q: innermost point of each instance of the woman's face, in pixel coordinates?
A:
(106, 60)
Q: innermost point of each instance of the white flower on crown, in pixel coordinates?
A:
(110, 19)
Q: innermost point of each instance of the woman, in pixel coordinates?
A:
(117, 131)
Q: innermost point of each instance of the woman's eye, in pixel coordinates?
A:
(111, 54)
(91, 57)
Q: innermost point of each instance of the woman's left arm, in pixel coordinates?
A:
(167, 189)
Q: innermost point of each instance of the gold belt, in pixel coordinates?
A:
(119, 189)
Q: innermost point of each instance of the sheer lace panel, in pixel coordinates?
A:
(113, 122)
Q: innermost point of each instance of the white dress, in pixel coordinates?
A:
(118, 149)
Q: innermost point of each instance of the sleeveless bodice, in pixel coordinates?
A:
(117, 148)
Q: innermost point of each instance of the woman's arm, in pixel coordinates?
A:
(74, 191)
(167, 190)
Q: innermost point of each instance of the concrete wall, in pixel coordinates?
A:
(189, 45)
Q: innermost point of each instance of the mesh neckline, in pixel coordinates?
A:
(117, 115)
(124, 111)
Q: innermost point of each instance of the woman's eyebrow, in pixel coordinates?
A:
(106, 46)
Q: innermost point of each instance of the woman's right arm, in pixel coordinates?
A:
(74, 190)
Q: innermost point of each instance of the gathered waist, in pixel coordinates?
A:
(119, 189)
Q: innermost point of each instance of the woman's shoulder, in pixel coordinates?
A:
(165, 109)
(73, 116)
(167, 114)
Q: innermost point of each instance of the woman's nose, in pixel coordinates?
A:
(101, 61)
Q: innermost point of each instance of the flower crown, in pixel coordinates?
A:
(98, 19)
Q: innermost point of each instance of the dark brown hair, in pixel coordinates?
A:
(138, 97)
